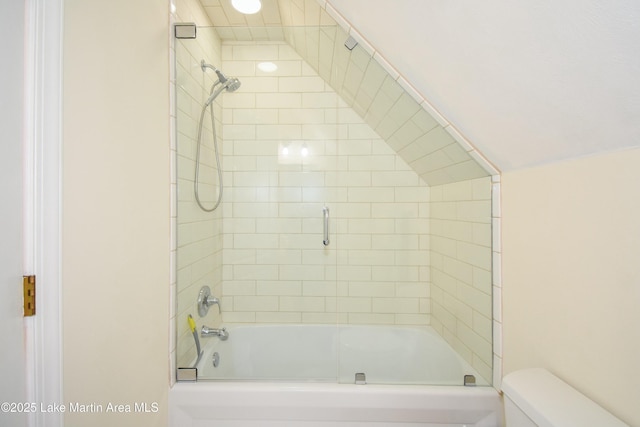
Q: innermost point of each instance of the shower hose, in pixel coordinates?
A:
(215, 147)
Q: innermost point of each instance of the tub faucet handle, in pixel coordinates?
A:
(206, 300)
(211, 300)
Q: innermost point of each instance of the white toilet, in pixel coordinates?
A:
(537, 398)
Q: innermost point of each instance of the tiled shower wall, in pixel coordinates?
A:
(292, 147)
(199, 234)
(461, 262)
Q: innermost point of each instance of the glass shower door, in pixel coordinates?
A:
(266, 251)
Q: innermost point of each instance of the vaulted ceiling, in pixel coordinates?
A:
(519, 83)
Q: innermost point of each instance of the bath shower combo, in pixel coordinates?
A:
(324, 364)
(226, 84)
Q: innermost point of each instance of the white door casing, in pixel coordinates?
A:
(43, 205)
(30, 212)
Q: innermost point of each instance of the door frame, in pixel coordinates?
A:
(43, 204)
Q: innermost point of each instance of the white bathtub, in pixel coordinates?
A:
(326, 353)
(303, 365)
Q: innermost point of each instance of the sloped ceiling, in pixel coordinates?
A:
(371, 86)
(523, 82)
(526, 82)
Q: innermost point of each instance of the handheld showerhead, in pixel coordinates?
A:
(230, 85)
(233, 84)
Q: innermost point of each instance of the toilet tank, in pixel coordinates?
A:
(537, 398)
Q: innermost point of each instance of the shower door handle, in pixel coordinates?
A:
(325, 214)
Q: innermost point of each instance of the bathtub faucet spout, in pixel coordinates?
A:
(213, 332)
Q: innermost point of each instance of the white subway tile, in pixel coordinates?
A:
(371, 257)
(371, 318)
(255, 241)
(258, 85)
(234, 288)
(412, 319)
(413, 258)
(395, 179)
(412, 194)
(239, 317)
(321, 132)
(371, 289)
(386, 209)
(412, 290)
(301, 116)
(277, 100)
(395, 305)
(254, 116)
(482, 279)
(479, 256)
(277, 132)
(354, 304)
(240, 100)
(456, 153)
(371, 194)
(251, 52)
(278, 317)
(255, 303)
(319, 100)
(370, 163)
(361, 131)
(240, 69)
(239, 132)
(480, 347)
(354, 241)
(404, 108)
(371, 226)
(357, 272)
(279, 287)
(303, 84)
(298, 304)
(319, 288)
(301, 272)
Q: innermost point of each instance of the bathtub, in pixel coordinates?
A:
(305, 375)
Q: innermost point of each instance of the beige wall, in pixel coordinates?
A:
(116, 238)
(571, 281)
